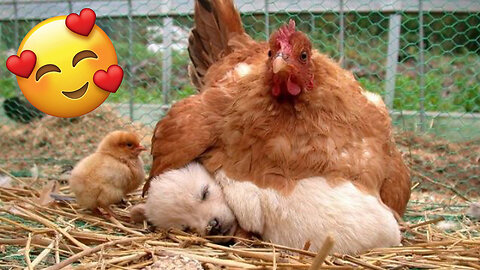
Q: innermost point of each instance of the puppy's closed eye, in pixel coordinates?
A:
(205, 193)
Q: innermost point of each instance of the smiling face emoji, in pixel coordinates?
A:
(61, 83)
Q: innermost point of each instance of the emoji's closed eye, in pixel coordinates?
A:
(82, 55)
(45, 69)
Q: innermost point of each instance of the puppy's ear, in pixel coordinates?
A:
(137, 213)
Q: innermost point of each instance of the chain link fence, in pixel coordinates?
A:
(422, 56)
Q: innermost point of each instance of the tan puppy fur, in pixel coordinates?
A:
(314, 209)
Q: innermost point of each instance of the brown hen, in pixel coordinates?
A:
(274, 113)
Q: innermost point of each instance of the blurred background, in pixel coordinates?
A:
(422, 56)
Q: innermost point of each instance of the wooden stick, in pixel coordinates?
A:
(322, 253)
(27, 252)
(89, 251)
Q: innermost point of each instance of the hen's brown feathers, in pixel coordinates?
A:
(216, 22)
(186, 132)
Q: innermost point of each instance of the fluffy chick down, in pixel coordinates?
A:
(106, 176)
(187, 199)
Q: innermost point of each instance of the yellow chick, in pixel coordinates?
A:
(106, 176)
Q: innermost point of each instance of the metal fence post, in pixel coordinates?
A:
(129, 61)
(15, 24)
(342, 33)
(422, 67)
(167, 51)
(267, 20)
(392, 58)
(312, 23)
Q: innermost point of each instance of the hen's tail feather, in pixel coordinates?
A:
(216, 21)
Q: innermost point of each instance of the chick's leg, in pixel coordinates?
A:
(109, 211)
(107, 197)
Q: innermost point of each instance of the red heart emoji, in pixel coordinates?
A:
(81, 24)
(109, 80)
(22, 66)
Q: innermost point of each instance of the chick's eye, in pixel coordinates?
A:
(205, 193)
(269, 53)
(303, 56)
(129, 145)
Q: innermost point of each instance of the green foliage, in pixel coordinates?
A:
(8, 83)
(407, 94)
(469, 98)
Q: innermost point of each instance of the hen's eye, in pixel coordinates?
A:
(269, 53)
(205, 193)
(129, 145)
(303, 56)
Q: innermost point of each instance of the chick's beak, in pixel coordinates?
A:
(140, 148)
(279, 64)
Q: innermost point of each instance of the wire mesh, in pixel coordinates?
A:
(423, 57)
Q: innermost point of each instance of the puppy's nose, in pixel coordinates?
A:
(214, 227)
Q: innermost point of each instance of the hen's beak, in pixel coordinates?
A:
(141, 148)
(279, 64)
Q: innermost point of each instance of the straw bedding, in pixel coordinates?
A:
(36, 232)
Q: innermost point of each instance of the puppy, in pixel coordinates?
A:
(187, 199)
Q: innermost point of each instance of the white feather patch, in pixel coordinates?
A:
(242, 69)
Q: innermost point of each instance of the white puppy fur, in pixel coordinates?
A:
(187, 198)
(314, 210)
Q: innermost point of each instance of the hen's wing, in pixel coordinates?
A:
(181, 136)
(216, 23)
(396, 189)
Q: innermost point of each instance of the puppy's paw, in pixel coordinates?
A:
(137, 213)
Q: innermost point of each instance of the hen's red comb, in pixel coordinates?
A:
(284, 34)
(287, 30)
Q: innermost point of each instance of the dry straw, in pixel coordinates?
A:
(62, 236)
